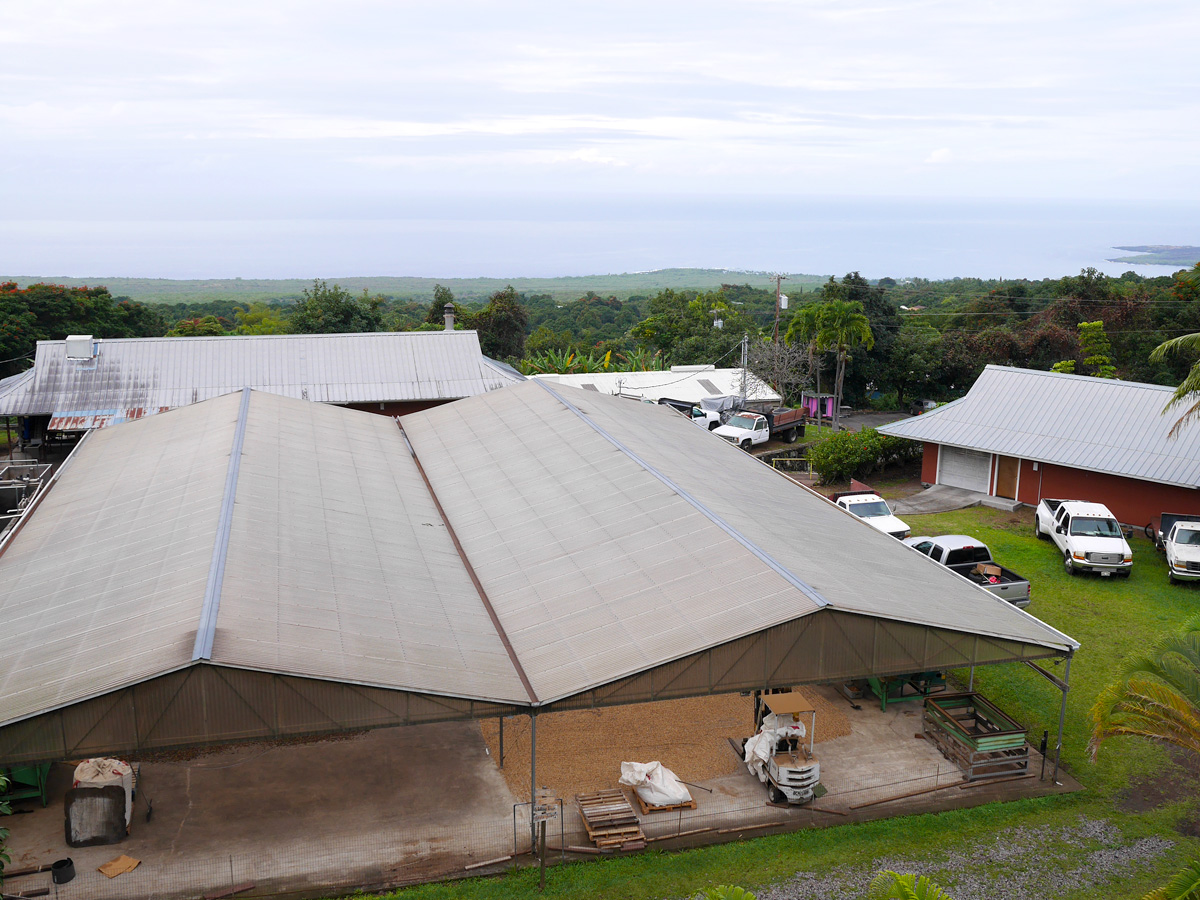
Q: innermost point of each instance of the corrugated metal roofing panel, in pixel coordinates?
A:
(525, 501)
(688, 384)
(1097, 424)
(102, 585)
(339, 566)
(806, 533)
(153, 373)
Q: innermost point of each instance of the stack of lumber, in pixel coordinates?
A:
(610, 821)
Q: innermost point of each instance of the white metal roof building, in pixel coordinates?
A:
(115, 380)
(1025, 434)
(688, 384)
(256, 566)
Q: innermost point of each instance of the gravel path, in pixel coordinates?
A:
(1041, 862)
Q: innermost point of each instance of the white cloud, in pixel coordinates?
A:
(940, 155)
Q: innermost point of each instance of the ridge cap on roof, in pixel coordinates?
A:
(262, 337)
(1073, 375)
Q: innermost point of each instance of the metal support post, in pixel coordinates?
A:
(970, 682)
(502, 742)
(1062, 717)
(532, 780)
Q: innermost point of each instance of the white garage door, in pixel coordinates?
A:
(968, 469)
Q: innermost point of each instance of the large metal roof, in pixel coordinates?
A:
(131, 377)
(1097, 424)
(255, 566)
(689, 384)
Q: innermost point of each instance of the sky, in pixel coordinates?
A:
(274, 139)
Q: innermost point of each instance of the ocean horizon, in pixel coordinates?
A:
(505, 237)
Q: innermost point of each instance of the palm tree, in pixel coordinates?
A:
(1184, 886)
(1189, 389)
(804, 327)
(889, 885)
(844, 327)
(1157, 696)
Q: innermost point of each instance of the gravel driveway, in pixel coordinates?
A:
(1026, 862)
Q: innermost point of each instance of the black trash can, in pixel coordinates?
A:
(62, 870)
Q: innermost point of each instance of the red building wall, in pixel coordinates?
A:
(929, 464)
(1132, 501)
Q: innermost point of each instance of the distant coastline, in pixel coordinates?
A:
(1160, 255)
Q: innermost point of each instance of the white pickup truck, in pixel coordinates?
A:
(1181, 543)
(872, 509)
(746, 429)
(972, 560)
(1087, 534)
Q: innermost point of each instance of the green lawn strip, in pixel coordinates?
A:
(1109, 617)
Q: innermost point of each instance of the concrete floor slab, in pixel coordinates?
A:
(411, 804)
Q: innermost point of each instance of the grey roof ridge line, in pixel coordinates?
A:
(207, 628)
(462, 555)
(1076, 376)
(223, 337)
(808, 590)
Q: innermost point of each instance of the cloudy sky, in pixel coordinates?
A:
(267, 136)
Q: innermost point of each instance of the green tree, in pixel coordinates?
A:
(259, 318)
(50, 312)
(805, 329)
(205, 327)
(726, 892)
(1157, 697)
(332, 310)
(915, 360)
(1184, 886)
(890, 885)
(682, 326)
(1188, 391)
(844, 328)
(436, 314)
(502, 325)
(1096, 349)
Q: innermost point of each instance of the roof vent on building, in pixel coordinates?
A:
(448, 311)
(80, 346)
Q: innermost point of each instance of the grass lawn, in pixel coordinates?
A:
(1109, 617)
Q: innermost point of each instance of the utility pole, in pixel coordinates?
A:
(745, 362)
(775, 334)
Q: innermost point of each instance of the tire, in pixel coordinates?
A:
(1126, 573)
(1068, 565)
(746, 445)
(775, 795)
(1171, 579)
(789, 436)
(1150, 533)
(1037, 530)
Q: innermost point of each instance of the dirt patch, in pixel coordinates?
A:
(582, 750)
(892, 484)
(1179, 780)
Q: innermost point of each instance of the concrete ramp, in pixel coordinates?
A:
(938, 498)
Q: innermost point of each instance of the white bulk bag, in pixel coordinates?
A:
(654, 783)
(101, 772)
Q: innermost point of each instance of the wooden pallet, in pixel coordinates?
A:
(646, 808)
(610, 821)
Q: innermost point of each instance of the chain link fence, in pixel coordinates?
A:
(323, 865)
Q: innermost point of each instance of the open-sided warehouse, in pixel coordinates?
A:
(255, 566)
